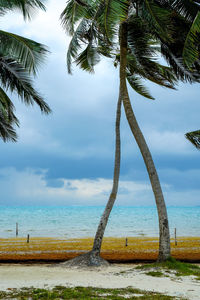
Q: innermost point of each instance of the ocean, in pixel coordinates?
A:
(82, 221)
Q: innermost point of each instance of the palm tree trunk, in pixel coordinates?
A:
(92, 258)
(104, 219)
(164, 238)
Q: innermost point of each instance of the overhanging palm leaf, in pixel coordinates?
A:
(7, 132)
(192, 43)
(7, 118)
(27, 7)
(19, 59)
(114, 12)
(73, 13)
(15, 78)
(136, 84)
(186, 8)
(88, 58)
(194, 138)
(76, 42)
(25, 51)
(156, 17)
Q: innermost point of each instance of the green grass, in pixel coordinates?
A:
(155, 273)
(83, 293)
(179, 268)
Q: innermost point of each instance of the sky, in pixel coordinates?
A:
(67, 158)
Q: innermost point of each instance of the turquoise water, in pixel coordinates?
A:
(82, 221)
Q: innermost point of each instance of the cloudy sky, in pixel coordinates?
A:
(67, 158)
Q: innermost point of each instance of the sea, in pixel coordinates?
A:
(82, 221)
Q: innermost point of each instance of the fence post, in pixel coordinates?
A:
(16, 229)
(175, 237)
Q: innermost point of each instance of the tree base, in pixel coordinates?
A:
(89, 259)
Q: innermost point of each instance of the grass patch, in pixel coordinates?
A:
(61, 292)
(155, 273)
(179, 268)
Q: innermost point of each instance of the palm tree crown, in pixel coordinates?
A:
(19, 59)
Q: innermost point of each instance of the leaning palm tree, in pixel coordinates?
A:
(19, 60)
(98, 28)
(194, 138)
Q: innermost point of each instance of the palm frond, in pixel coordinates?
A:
(74, 12)
(7, 132)
(186, 8)
(27, 7)
(7, 108)
(157, 17)
(114, 12)
(139, 38)
(192, 43)
(7, 118)
(136, 83)
(14, 77)
(88, 58)
(176, 63)
(194, 138)
(76, 43)
(25, 51)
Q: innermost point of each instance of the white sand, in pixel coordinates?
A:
(17, 276)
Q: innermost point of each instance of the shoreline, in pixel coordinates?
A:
(114, 276)
(113, 249)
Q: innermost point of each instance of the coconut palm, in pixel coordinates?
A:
(194, 138)
(95, 26)
(19, 60)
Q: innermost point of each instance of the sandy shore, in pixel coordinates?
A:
(113, 276)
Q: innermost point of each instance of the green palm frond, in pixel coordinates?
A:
(157, 73)
(7, 118)
(114, 12)
(76, 43)
(157, 17)
(176, 63)
(139, 38)
(194, 138)
(136, 83)
(192, 43)
(25, 51)
(7, 132)
(88, 58)
(186, 8)
(27, 7)
(152, 71)
(7, 108)
(14, 77)
(74, 12)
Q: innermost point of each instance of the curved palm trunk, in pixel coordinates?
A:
(164, 239)
(104, 219)
(92, 258)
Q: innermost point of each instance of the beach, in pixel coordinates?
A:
(114, 276)
(27, 260)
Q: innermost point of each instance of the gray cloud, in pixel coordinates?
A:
(31, 187)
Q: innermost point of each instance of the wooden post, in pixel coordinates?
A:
(28, 237)
(126, 242)
(16, 229)
(175, 237)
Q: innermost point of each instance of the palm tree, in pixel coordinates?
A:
(194, 138)
(97, 27)
(19, 60)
